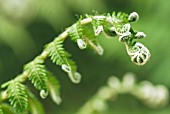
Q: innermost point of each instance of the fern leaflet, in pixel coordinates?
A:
(37, 74)
(17, 96)
(56, 52)
(76, 33)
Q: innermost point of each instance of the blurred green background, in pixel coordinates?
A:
(27, 25)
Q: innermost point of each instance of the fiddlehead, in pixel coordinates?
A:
(139, 53)
(85, 33)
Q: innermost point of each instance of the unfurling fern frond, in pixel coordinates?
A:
(37, 75)
(54, 88)
(59, 56)
(17, 96)
(139, 53)
(71, 68)
(73, 74)
(76, 33)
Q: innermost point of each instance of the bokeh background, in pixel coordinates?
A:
(27, 25)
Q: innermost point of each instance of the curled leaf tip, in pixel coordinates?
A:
(133, 17)
(75, 78)
(98, 30)
(81, 44)
(139, 53)
(43, 94)
(66, 68)
(140, 35)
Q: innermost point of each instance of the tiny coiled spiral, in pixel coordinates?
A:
(139, 53)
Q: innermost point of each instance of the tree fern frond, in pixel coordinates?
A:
(17, 96)
(54, 88)
(34, 104)
(37, 74)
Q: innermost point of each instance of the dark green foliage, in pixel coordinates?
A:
(17, 96)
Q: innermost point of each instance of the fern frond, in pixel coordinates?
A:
(17, 96)
(54, 88)
(56, 52)
(37, 75)
(76, 33)
(73, 75)
(59, 56)
(71, 68)
(34, 104)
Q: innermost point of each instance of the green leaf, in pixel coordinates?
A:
(37, 75)
(17, 96)
(34, 104)
(54, 88)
